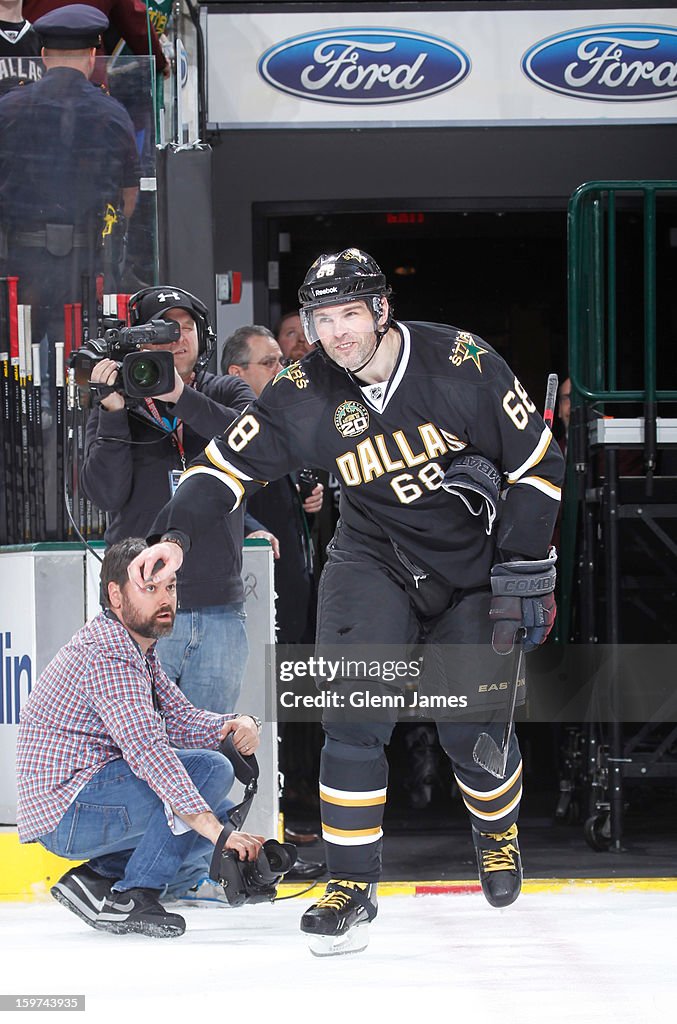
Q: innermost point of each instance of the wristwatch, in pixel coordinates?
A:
(173, 538)
(257, 722)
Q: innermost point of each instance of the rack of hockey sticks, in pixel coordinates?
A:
(37, 428)
(22, 508)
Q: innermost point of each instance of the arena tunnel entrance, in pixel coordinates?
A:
(499, 272)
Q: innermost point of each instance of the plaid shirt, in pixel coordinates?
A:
(94, 704)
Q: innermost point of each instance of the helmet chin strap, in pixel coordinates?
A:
(380, 335)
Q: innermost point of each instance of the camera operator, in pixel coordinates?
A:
(135, 451)
(114, 765)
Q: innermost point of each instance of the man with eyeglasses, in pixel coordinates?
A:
(253, 354)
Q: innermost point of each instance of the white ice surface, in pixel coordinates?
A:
(575, 956)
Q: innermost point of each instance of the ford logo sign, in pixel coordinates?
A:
(608, 62)
(361, 65)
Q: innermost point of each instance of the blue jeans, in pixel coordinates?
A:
(206, 655)
(118, 824)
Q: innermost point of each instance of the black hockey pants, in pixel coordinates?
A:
(367, 599)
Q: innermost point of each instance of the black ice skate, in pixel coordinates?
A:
(82, 891)
(339, 921)
(500, 866)
(138, 910)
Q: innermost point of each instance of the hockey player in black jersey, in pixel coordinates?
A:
(425, 426)
(20, 46)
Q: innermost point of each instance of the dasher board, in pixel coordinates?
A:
(631, 431)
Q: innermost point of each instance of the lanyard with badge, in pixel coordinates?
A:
(174, 428)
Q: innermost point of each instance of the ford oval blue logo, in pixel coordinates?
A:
(608, 62)
(362, 65)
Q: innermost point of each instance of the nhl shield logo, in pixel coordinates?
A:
(351, 419)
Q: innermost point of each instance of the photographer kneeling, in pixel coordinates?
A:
(115, 766)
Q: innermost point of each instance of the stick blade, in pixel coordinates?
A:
(488, 755)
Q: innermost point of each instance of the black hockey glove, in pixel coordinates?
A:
(477, 482)
(523, 600)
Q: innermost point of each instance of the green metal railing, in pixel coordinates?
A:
(596, 358)
(592, 265)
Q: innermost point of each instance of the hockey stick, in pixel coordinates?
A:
(550, 400)
(17, 457)
(8, 532)
(59, 419)
(28, 513)
(39, 450)
(486, 753)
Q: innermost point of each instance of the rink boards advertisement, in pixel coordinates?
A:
(366, 69)
(49, 591)
(41, 606)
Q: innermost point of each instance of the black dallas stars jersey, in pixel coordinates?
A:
(389, 445)
(20, 60)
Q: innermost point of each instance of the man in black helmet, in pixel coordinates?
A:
(425, 425)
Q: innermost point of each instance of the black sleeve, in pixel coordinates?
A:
(509, 429)
(107, 470)
(209, 412)
(271, 438)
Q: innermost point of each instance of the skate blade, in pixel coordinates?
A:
(354, 940)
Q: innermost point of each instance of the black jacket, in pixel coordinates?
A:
(130, 482)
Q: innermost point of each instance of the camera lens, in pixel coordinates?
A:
(145, 373)
(280, 856)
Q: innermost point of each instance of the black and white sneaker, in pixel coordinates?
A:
(500, 865)
(138, 910)
(338, 922)
(83, 891)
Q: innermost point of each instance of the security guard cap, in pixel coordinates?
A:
(75, 27)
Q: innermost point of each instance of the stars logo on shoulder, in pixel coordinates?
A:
(293, 373)
(465, 347)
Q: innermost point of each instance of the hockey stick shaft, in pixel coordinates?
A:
(550, 400)
(39, 450)
(486, 753)
(8, 534)
(59, 418)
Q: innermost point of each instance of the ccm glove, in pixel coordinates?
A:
(523, 601)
